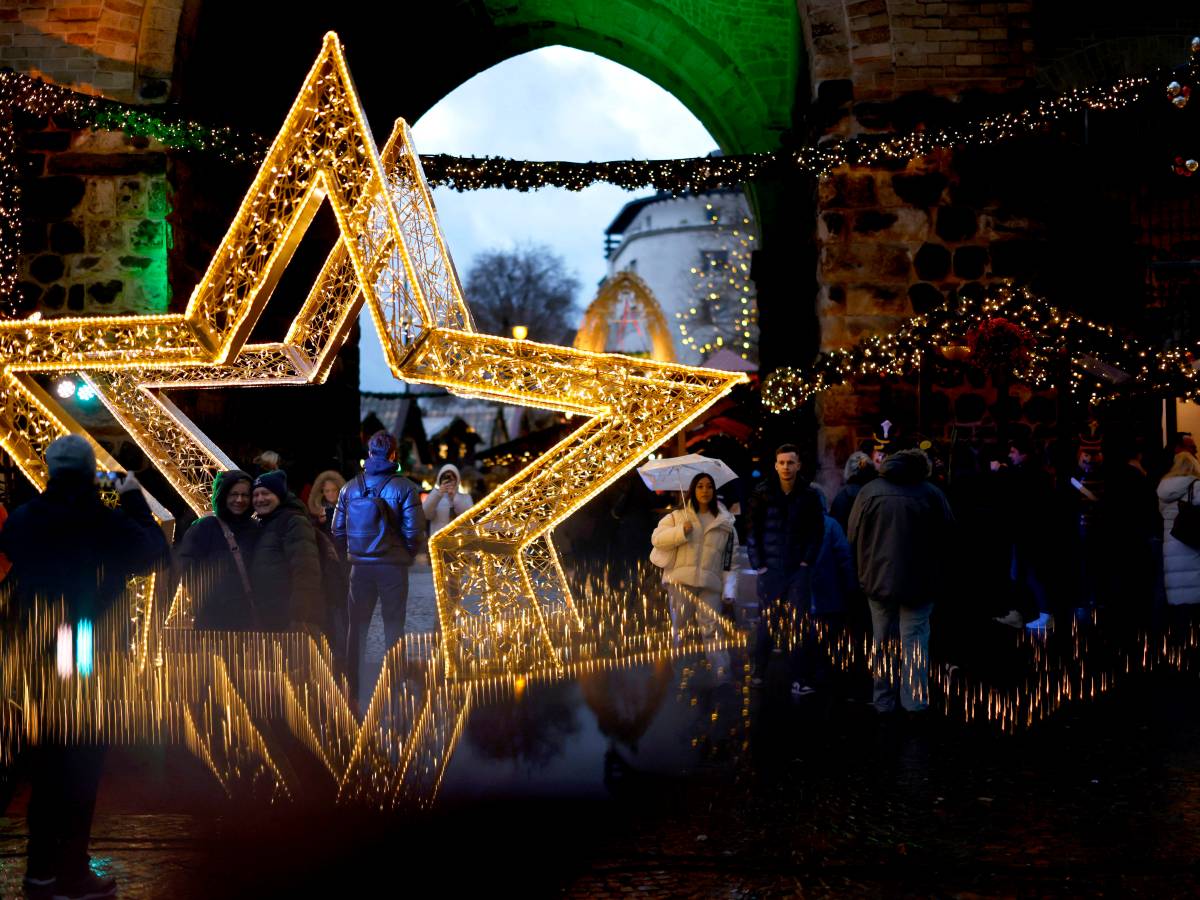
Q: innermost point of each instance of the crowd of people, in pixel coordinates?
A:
(996, 532)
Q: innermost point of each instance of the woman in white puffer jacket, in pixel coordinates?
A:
(703, 537)
(1181, 563)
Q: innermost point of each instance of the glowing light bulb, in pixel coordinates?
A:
(65, 389)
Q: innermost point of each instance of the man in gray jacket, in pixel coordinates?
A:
(900, 527)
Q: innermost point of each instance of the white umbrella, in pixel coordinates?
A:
(676, 473)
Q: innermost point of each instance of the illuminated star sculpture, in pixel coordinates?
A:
(498, 557)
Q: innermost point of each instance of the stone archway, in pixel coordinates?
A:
(736, 67)
(593, 332)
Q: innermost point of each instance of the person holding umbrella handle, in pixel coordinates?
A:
(698, 544)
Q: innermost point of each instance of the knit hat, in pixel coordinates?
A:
(381, 445)
(70, 453)
(223, 483)
(275, 482)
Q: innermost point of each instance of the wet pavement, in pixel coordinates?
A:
(676, 778)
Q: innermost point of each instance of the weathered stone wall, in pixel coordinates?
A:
(94, 204)
(95, 234)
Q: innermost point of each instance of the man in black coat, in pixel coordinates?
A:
(900, 528)
(67, 546)
(787, 526)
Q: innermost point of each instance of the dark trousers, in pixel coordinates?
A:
(370, 585)
(783, 599)
(65, 781)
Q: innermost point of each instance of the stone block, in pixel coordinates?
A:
(831, 226)
(147, 236)
(872, 221)
(85, 265)
(105, 292)
(876, 300)
(101, 197)
(130, 197)
(47, 268)
(33, 238)
(108, 163)
(920, 190)
(54, 297)
(906, 224)
(66, 237)
(956, 223)
(865, 261)
(970, 262)
(932, 262)
(52, 199)
(845, 190)
(104, 235)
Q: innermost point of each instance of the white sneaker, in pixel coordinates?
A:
(1013, 620)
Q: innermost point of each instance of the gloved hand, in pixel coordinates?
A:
(128, 483)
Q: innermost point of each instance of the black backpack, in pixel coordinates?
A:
(370, 529)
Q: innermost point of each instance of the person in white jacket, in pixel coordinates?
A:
(1181, 563)
(446, 501)
(704, 540)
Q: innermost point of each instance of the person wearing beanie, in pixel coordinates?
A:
(447, 501)
(66, 546)
(379, 526)
(215, 551)
(285, 571)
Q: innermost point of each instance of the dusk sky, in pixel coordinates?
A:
(554, 103)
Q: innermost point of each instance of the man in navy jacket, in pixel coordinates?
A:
(787, 527)
(379, 525)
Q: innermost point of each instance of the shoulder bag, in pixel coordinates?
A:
(663, 557)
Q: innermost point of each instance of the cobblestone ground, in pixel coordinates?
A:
(676, 781)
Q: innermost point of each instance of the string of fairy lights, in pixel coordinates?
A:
(723, 313)
(1060, 350)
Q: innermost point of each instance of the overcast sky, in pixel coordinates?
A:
(555, 103)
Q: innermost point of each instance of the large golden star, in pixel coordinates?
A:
(498, 559)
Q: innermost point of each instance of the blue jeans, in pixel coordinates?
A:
(783, 599)
(368, 586)
(900, 655)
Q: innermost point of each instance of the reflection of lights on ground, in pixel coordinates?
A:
(225, 694)
(1081, 665)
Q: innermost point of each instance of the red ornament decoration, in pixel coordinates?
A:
(1000, 347)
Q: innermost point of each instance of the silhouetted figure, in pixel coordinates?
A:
(67, 546)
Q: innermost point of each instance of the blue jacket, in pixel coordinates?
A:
(833, 577)
(785, 529)
(406, 520)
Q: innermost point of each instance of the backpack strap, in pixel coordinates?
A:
(236, 552)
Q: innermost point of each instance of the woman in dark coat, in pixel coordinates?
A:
(286, 569)
(207, 564)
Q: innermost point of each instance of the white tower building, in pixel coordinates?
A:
(663, 238)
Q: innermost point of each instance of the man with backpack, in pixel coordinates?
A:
(379, 524)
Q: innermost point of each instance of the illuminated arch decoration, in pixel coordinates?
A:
(613, 296)
(391, 256)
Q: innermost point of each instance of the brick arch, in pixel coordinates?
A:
(110, 47)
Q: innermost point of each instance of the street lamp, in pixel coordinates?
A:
(520, 332)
